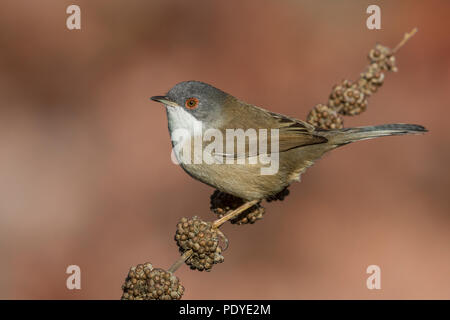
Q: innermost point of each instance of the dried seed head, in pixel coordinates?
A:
(337, 95)
(324, 117)
(354, 109)
(200, 237)
(354, 102)
(222, 202)
(256, 213)
(147, 283)
(347, 99)
(384, 57)
(367, 87)
(279, 196)
(374, 74)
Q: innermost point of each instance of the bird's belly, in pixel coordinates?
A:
(247, 181)
(243, 181)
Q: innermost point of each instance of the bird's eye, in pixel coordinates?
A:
(191, 103)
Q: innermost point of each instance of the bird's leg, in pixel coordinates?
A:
(234, 213)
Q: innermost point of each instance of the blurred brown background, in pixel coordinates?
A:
(85, 170)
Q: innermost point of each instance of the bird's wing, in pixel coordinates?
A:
(292, 133)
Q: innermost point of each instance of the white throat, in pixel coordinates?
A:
(183, 127)
(178, 118)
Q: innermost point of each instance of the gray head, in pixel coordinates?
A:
(191, 101)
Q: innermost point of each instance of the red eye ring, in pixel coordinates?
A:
(191, 103)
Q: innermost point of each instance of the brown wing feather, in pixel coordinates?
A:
(293, 133)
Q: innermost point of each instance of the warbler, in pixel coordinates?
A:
(196, 107)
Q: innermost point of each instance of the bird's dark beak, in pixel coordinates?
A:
(165, 100)
(159, 98)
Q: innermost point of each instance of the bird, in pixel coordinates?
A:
(195, 107)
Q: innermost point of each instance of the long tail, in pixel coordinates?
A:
(348, 135)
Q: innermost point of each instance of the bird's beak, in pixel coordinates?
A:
(165, 100)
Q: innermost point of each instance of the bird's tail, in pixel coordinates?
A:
(348, 135)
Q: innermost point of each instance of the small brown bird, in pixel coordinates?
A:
(195, 107)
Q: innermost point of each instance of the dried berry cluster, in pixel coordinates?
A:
(350, 98)
(279, 196)
(146, 283)
(324, 117)
(222, 202)
(200, 237)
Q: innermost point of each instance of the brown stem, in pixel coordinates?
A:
(180, 261)
(234, 213)
(406, 37)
